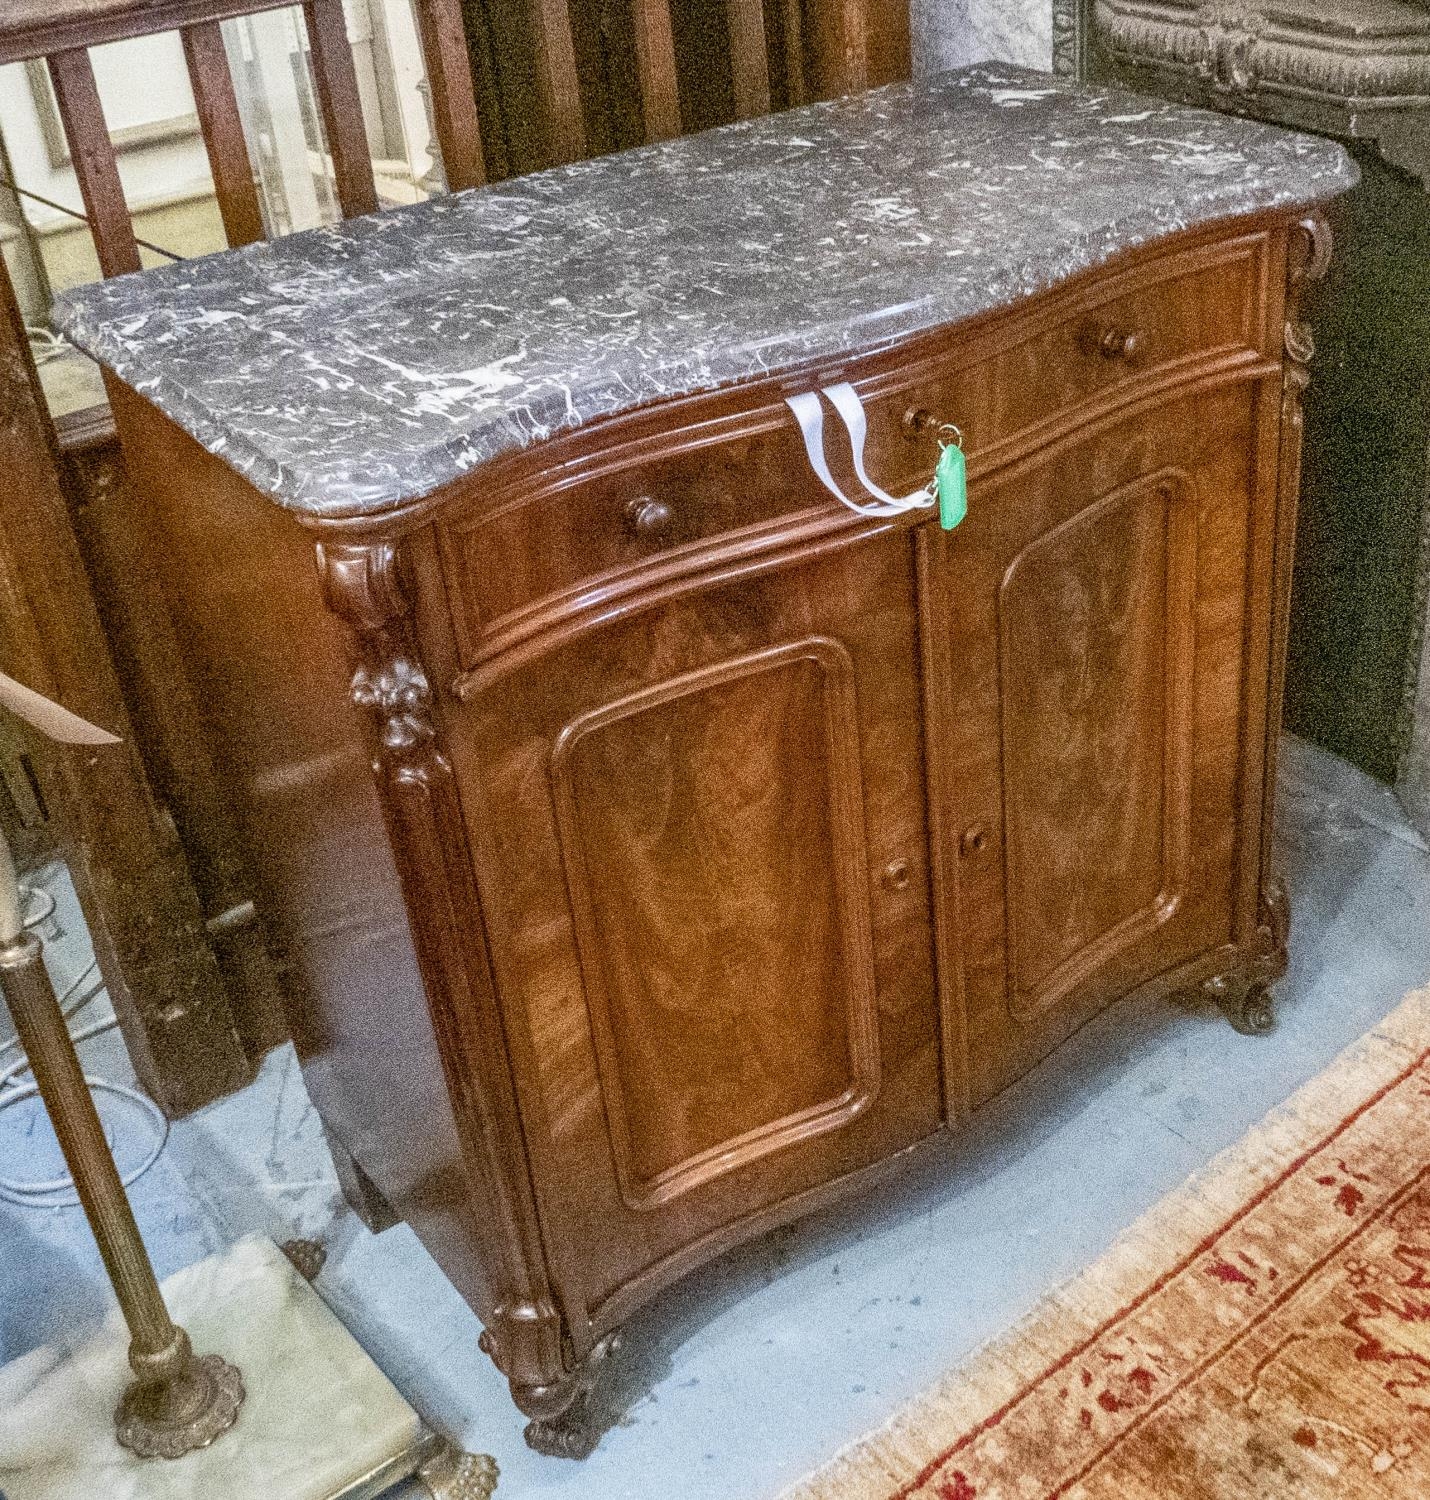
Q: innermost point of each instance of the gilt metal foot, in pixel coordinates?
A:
(191, 1408)
(451, 1474)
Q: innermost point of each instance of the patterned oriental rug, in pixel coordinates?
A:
(1262, 1334)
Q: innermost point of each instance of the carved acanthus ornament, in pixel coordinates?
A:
(1310, 260)
(399, 697)
(1069, 38)
(362, 585)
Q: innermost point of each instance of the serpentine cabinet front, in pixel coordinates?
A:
(798, 837)
(725, 846)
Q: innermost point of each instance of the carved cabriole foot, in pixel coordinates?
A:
(1246, 1004)
(1242, 992)
(564, 1423)
(451, 1474)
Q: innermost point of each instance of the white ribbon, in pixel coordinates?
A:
(845, 400)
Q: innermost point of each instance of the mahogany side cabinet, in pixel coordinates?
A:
(659, 850)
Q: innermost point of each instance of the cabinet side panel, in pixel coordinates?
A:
(270, 669)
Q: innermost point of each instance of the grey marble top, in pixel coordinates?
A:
(349, 370)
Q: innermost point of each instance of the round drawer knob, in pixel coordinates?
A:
(974, 840)
(649, 519)
(1123, 344)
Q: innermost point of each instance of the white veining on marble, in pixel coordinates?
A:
(348, 370)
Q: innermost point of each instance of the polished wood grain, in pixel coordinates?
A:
(451, 92)
(37, 28)
(558, 82)
(107, 526)
(120, 563)
(129, 871)
(712, 835)
(720, 847)
(838, 32)
(743, 858)
(749, 62)
(1096, 643)
(655, 67)
(1127, 916)
(565, 540)
(340, 105)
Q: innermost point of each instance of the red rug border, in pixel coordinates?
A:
(1357, 1230)
(906, 1490)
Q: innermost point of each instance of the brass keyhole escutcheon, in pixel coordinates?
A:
(897, 875)
(974, 840)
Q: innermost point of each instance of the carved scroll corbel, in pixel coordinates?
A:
(362, 586)
(1309, 259)
(1309, 251)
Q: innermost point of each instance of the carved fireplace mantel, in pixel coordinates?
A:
(1354, 68)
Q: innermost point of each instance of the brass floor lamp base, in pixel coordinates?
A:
(321, 1421)
(171, 1419)
(177, 1402)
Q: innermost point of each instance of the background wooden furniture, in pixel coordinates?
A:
(556, 82)
(146, 923)
(201, 847)
(719, 855)
(1358, 682)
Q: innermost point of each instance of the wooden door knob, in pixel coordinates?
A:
(1123, 344)
(897, 875)
(974, 840)
(648, 518)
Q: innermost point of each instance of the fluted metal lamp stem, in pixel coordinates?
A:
(178, 1401)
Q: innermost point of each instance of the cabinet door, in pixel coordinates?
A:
(702, 845)
(1098, 623)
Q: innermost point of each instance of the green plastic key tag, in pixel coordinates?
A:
(951, 481)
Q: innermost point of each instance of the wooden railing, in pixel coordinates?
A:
(63, 35)
(822, 50)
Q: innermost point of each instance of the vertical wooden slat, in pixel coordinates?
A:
(82, 115)
(558, 81)
(839, 33)
(749, 63)
(655, 63)
(795, 86)
(453, 93)
(335, 81)
(222, 128)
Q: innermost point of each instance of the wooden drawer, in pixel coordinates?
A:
(574, 544)
(589, 534)
(1145, 328)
